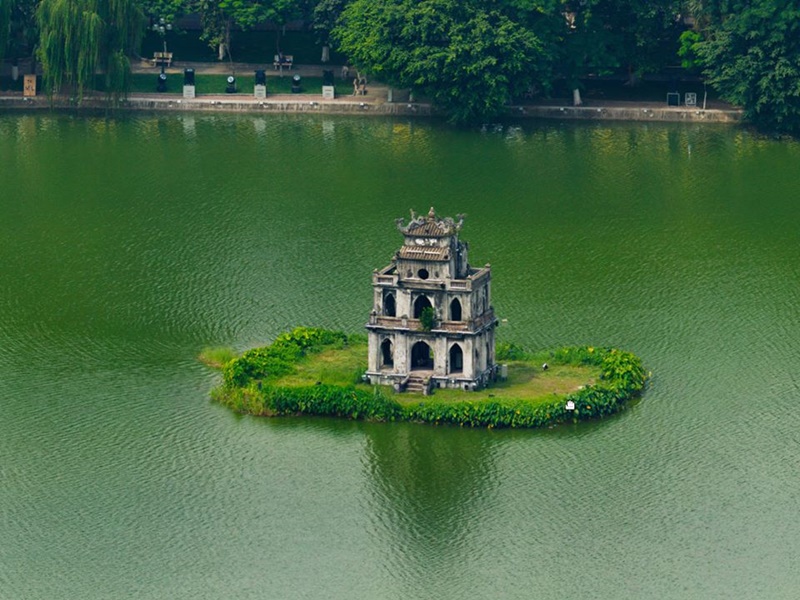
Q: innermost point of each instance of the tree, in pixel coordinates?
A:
(18, 32)
(324, 17)
(169, 10)
(603, 36)
(220, 17)
(467, 55)
(752, 56)
(78, 37)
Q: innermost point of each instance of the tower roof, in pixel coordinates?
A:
(430, 225)
(424, 253)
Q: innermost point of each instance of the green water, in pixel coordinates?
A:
(128, 245)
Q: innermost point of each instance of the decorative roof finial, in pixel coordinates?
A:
(431, 214)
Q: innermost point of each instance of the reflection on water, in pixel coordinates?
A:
(429, 486)
(127, 245)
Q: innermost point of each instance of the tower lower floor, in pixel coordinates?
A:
(449, 360)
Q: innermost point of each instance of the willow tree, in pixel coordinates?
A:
(78, 38)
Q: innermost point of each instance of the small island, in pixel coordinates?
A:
(430, 354)
(317, 372)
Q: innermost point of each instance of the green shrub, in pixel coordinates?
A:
(427, 318)
(510, 351)
(279, 358)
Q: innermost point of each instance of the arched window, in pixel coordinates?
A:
(455, 310)
(389, 305)
(421, 357)
(456, 359)
(421, 304)
(387, 353)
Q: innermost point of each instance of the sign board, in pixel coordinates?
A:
(328, 92)
(690, 98)
(673, 99)
(29, 88)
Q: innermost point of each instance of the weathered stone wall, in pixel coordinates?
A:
(340, 106)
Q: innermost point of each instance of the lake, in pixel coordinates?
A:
(127, 245)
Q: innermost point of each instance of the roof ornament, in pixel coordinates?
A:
(430, 224)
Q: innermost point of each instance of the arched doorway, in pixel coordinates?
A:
(387, 353)
(455, 310)
(421, 304)
(456, 359)
(389, 305)
(421, 357)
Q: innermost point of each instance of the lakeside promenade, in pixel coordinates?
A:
(375, 102)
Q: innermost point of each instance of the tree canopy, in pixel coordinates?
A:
(467, 55)
(752, 57)
(80, 37)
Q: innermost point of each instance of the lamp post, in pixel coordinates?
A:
(162, 27)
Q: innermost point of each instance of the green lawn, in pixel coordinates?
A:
(526, 380)
(332, 367)
(216, 84)
(8, 85)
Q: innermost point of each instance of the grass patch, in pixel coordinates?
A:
(217, 356)
(145, 83)
(530, 383)
(333, 366)
(9, 85)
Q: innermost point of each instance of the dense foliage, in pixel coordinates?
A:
(249, 387)
(276, 360)
(752, 56)
(80, 37)
(469, 57)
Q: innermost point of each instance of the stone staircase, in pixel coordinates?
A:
(418, 384)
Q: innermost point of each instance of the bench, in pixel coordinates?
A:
(162, 58)
(286, 63)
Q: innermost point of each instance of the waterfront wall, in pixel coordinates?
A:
(312, 104)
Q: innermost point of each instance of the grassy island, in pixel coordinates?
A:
(319, 372)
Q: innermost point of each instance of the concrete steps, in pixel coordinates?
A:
(417, 384)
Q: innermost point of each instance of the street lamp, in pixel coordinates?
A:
(162, 27)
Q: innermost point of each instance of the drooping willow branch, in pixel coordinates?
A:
(78, 38)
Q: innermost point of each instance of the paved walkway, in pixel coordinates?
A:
(226, 68)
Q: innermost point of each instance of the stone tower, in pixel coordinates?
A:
(432, 323)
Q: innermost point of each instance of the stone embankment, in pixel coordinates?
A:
(311, 103)
(629, 111)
